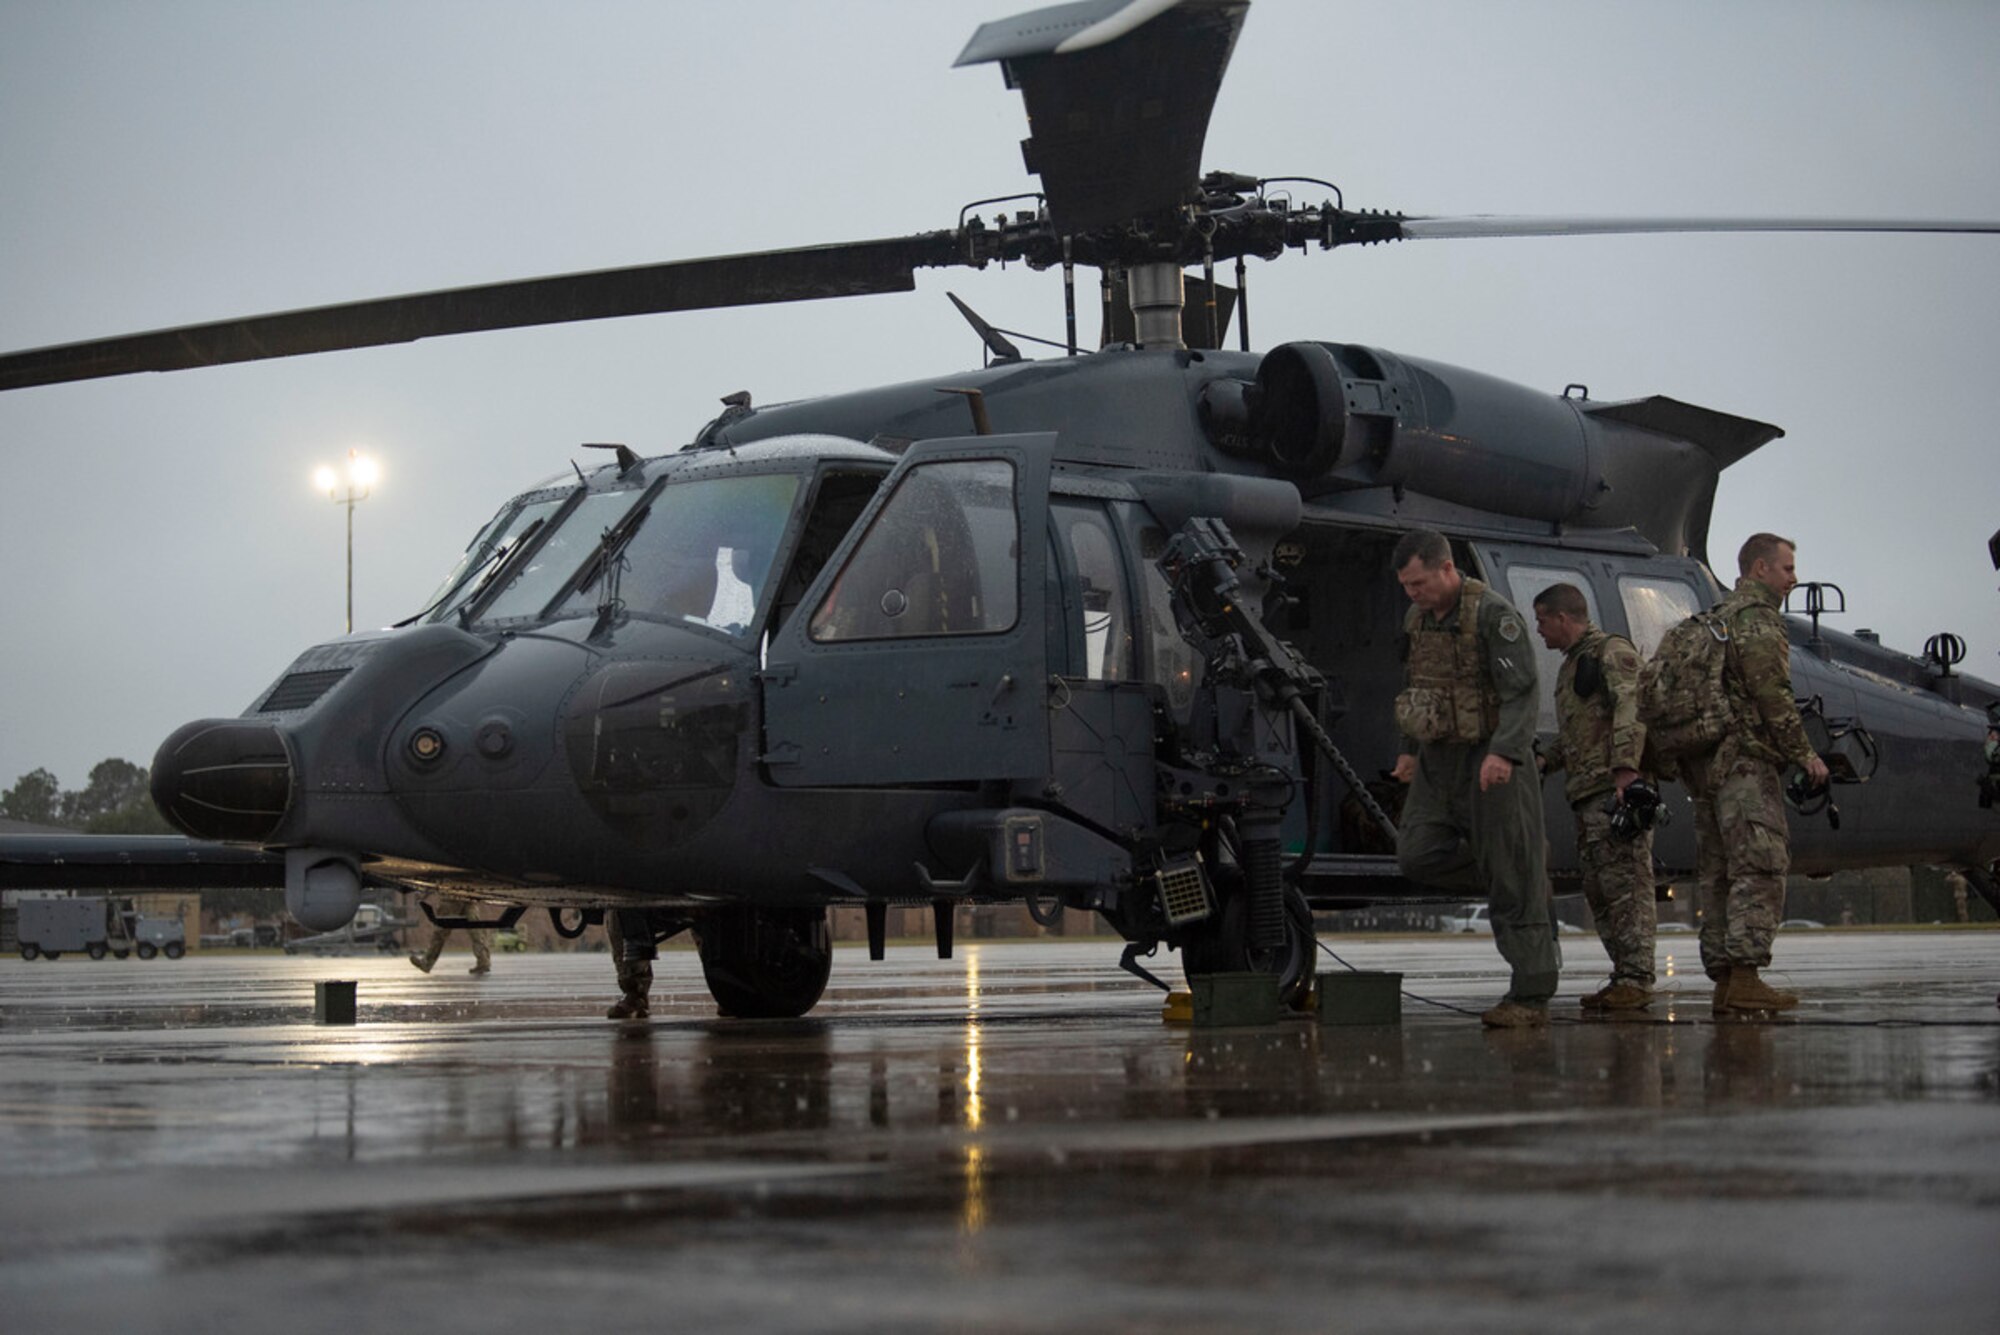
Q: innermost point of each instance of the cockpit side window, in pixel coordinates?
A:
(941, 558)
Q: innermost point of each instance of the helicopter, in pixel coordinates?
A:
(1108, 632)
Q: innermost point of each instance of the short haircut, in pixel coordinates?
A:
(1564, 600)
(1760, 547)
(1423, 544)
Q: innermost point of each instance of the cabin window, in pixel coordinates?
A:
(1523, 584)
(1653, 606)
(1101, 602)
(942, 557)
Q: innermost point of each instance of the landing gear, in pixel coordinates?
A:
(1221, 945)
(765, 964)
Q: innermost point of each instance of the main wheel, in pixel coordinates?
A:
(765, 964)
(96, 950)
(1221, 945)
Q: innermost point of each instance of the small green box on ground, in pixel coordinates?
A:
(1228, 999)
(333, 1002)
(1360, 998)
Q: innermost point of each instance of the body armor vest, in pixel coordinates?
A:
(1450, 696)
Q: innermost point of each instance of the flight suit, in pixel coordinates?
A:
(1471, 692)
(482, 940)
(1599, 733)
(1742, 846)
(632, 956)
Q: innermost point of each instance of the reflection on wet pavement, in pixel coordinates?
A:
(1009, 1140)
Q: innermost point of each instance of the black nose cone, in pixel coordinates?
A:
(224, 779)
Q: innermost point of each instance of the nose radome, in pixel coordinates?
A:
(225, 779)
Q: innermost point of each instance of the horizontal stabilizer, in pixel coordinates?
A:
(1725, 437)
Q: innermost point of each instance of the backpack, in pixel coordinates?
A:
(1682, 699)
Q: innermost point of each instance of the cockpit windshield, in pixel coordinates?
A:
(495, 543)
(702, 552)
(533, 581)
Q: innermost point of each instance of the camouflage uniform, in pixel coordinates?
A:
(1741, 842)
(633, 953)
(482, 940)
(1472, 693)
(1597, 735)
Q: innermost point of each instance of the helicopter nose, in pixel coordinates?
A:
(224, 779)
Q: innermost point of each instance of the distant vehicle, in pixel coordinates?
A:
(1796, 924)
(98, 927)
(373, 930)
(510, 942)
(1673, 929)
(1475, 920)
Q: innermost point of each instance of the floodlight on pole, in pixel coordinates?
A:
(362, 474)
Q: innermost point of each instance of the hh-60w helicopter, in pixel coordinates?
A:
(1107, 632)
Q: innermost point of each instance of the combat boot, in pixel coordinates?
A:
(1748, 992)
(479, 968)
(631, 1006)
(420, 962)
(1618, 996)
(1721, 1000)
(1514, 1015)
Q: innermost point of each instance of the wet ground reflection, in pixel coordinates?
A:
(1018, 1128)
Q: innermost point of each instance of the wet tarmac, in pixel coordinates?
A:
(1008, 1141)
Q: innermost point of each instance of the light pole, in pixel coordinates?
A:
(361, 476)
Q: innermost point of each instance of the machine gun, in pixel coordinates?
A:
(1255, 688)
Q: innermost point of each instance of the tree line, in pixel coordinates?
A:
(115, 800)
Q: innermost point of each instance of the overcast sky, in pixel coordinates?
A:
(165, 557)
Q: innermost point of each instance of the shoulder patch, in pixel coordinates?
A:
(1510, 629)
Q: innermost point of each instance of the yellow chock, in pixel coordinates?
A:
(1179, 1008)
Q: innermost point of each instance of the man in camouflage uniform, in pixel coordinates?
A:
(1742, 845)
(1467, 718)
(1598, 742)
(632, 953)
(482, 940)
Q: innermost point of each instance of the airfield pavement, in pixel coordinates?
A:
(1012, 1140)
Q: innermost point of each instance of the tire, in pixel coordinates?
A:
(765, 964)
(147, 950)
(51, 954)
(120, 954)
(173, 950)
(96, 950)
(1224, 948)
(29, 950)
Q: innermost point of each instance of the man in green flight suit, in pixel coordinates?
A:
(1467, 717)
(1598, 742)
(1742, 845)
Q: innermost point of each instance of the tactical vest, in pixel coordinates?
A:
(1450, 696)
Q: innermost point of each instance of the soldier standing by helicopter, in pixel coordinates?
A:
(1741, 842)
(1467, 717)
(1598, 742)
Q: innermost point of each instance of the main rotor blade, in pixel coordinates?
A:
(1118, 95)
(807, 274)
(1484, 224)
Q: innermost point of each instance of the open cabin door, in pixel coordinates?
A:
(920, 653)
